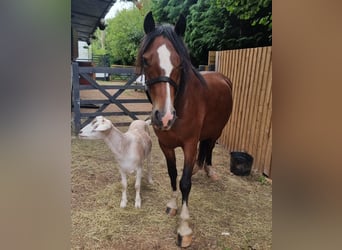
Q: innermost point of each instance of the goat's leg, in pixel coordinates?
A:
(137, 187)
(149, 169)
(124, 189)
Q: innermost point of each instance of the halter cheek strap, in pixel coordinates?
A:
(159, 79)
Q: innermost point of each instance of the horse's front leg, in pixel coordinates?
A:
(184, 232)
(171, 206)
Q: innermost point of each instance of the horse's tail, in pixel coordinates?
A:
(230, 84)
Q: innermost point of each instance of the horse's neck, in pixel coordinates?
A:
(114, 140)
(193, 85)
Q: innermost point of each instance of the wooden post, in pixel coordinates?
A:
(76, 97)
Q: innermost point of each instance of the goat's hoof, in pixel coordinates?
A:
(171, 211)
(184, 241)
(137, 205)
(123, 204)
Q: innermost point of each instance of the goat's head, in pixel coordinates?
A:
(97, 129)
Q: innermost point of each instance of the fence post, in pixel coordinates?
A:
(76, 97)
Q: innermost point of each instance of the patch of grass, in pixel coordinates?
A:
(232, 213)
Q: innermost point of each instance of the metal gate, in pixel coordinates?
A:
(80, 118)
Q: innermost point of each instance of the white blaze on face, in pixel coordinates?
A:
(165, 64)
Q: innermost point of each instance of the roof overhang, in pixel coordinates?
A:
(86, 16)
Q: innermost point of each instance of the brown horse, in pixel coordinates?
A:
(188, 107)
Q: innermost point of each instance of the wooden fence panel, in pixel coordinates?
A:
(250, 126)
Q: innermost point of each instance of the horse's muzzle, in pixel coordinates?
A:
(163, 120)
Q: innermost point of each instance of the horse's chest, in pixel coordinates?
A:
(169, 138)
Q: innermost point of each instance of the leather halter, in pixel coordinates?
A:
(159, 79)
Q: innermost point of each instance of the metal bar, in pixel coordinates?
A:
(100, 109)
(128, 83)
(96, 85)
(90, 87)
(84, 115)
(110, 102)
(76, 97)
(128, 71)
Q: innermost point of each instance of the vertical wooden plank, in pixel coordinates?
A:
(247, 99)
(267, 110)
(261, 113)
(251, 97)
(239, 110)
(239, 99)
(76, 97)
(256, 117)
(228, 55)
(232, 74)
(268, 157)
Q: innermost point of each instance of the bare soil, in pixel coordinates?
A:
(231, 213)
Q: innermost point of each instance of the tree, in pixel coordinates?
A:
(168, 11)
(98, 45)
(219, 24)
(123, 35)
(259, 12)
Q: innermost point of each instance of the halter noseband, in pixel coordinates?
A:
(159, 79)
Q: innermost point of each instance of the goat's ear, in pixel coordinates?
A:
(103, 125)
(180, 26)
(149, 24)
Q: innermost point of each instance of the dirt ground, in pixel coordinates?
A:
(231, 213)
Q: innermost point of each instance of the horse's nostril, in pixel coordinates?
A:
(157, 115)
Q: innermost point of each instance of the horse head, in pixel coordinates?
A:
(161, 62)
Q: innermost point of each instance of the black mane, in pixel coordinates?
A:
(168, 32)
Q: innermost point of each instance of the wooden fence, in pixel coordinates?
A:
(250, 127)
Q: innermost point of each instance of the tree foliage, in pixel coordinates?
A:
(97, 45)
(211, 25)
(258, 11)
(166, 11)
(123, 36)
(219, 24)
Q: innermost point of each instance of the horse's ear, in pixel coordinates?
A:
(180, 25)
(149, 24)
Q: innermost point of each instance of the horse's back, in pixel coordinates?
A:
(219, 103)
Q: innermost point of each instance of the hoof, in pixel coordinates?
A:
(184, 241)
(212, 174)
(214, 177)
(171, 211)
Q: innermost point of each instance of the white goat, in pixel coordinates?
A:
(130, 149)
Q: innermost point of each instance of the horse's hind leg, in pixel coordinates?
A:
(202, 152)
(208, 165)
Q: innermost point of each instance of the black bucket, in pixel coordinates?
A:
(240, 163)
